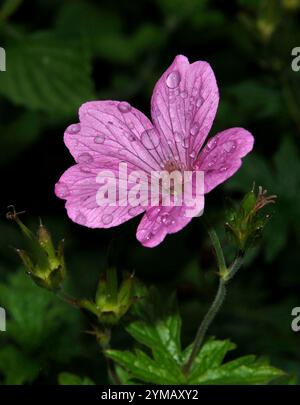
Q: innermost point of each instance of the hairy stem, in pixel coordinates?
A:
(225, 274)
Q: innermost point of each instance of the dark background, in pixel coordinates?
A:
(61, 53)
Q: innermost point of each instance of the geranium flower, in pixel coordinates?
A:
(183, 108)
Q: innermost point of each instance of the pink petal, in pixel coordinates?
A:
(183, 107)
(157, 222)
(79, 186)
(114, 129)
(221, 157)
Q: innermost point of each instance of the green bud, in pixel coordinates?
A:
(44, 264)
(112, 301)
(245, 222)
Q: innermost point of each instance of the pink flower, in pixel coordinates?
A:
(183, 108)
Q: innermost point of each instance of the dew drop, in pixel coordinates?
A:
(107, 219)
(73, 129)
(124, 107)
(184, 94)
(212, 143)
(199, 102)
(192, 155)
(99, 138)
(85, 157)
(173, 79)
(150, 139)
(62, 190)
(177, 136)
(165, 219)
(223, 169)
(194, 129)
(185, 142)
(229, 146)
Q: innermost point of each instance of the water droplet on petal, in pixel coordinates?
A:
(229, 146)
(192, 155)
(124, 107)
(212, 143)
(99, 138)
(80, 218)
(194, 128)
(185, 142)
(85, 157)
(133, 211)
(199, 102)
(165, 219)
(107, 219)
(85, 169)
(184, 94)
(130, 125)
(73, 129)
(223, 169)
(62, 190)
(173, 79)
(150, 139)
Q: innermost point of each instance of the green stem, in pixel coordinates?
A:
(209, 317)
(225, 274)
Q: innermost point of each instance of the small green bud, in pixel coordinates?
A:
(112, 301)
(44, 264)
(245, 223)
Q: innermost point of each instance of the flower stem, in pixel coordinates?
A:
(209, 317)
(225, 274)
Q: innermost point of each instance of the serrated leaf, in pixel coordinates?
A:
(48, 73)
(65, 378)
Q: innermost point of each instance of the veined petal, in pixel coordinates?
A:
(221, 157)
(80, 186)
(114, 129)
(183, 107)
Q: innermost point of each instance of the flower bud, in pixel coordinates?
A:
(245, 223)
(112, 301)
(44, 264)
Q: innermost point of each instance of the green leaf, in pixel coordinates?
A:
(48, 73)
(159, 331)
(65, 378)
(17, 367)
(39, 327)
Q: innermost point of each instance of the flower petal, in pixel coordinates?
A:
(221, 157)
(114, 129)
(183, 107)
(80, 184)
(157, 222)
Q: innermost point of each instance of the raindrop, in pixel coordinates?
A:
(184, 94)
(165, 219)
(223, 169)
(85, 157)
(150, 138)
(73, 129)
(194, 129)
(99, 138)
(173, 79)
(229, 146)
(107, 219)
(192, 155)
(185, 143)
(199, 102)
(212, 143)
(124, 107)
(62, 190)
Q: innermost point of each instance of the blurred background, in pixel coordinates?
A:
(60, 53)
